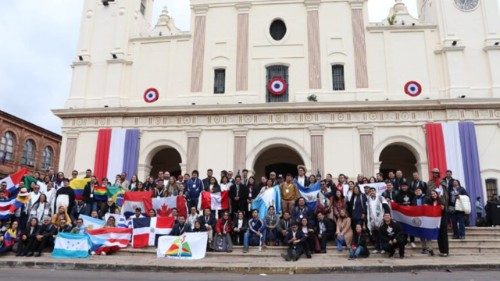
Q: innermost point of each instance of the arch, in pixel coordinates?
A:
(409, 143)
(267, 144)
(398, 157)
(167, 159)
(147, 153)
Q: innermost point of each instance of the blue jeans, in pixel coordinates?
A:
(340, 242)
(251, 240)
(458, 222)
(354, 253)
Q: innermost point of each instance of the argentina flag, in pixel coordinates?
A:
(310, 193)
(70, 246)
(267, 198)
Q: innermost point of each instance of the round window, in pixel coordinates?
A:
(277, 29)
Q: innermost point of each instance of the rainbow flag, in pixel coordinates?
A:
(101, 193)
(78, 186)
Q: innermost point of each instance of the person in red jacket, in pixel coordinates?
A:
(223, 229)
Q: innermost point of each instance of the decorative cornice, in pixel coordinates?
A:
(401, 28)
(240, 132)
(193, 133)
(200, 9)
(243, 7)
(317, 130)
(312, 4)
(365, 130)
(449, 49)
(356, 4)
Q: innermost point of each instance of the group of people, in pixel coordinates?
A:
(349, 212)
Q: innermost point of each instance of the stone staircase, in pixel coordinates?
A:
(479, 240)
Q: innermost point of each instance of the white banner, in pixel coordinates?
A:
(380, 186)
(189, 246)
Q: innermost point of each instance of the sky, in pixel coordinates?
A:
(38, 43)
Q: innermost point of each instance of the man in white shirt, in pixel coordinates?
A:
(301, 178)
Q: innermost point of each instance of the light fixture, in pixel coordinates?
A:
(114, 56)
(80, 58)
(497, 43)
(454, 43)
(462, 96)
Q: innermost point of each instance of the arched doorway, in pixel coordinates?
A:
(167, 159)
(280, 159)
(398, 157)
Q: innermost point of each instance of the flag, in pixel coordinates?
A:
(28, 180)
(214, 201)
(8, 207)
(379, 186)
(418, 221)
(120, 220)
(136, 199)
(310, 194)
(13, 181)
(91, 223)
(164, 205)
(70, 245)
(267, 198)
(190, 246)
(145, 230)
(78, 185)
(110, 236)
(100, 193)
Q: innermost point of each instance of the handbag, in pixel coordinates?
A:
(462, 204)
(220, 243)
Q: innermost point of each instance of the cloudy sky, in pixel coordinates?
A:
(39, 42)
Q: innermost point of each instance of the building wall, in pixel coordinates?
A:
(24, 131)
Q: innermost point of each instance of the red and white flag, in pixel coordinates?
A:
(214, 201)
(110, 236)
(146, 230)
(14, 179)
(136, 199)
(164, 205)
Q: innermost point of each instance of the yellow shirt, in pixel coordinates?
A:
(289, 191)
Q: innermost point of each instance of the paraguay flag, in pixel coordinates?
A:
(419, 221)
(136, 199)
(310, 194)
(267, 198)
(78, 185)
(109, 237)
(164, 205)
(213, 201)
(147, 230)
(13, 181)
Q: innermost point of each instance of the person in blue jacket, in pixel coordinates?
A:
(194, 187)
(255, 233)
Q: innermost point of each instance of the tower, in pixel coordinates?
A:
(102, 57)
(469, 39)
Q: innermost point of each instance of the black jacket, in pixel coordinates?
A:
(360, 240)
(244, 226)
(211, 221)
(180, 229)
(391, 231)
(242, 193)
(329, 228)
(405, 197)
(415, 184)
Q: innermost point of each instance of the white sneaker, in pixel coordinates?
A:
(375, 252)
(413, 245)
(103, 253)
(92, 253)
(382, 252)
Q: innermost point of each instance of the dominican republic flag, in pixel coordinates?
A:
(133, 200)
(164, 205)
(13, 181)
(78, 185)
(110, 236)
(310, 194)
(270, 197)
(8, 207)
(213, 201)
(70, 246)
(146, 230)
(91, 223)
(418, 221)
(117, 151)
(453, 146)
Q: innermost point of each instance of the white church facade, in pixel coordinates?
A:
(270, 84)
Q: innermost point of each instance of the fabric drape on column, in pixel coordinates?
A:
(472, 169)
(102, 153)
(435, 148)
(131, 152)
(453, 150)
(115, 163)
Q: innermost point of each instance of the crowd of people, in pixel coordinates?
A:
(349, 213)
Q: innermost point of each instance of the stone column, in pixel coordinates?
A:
(366, 146)
(317, 150)
(358, 34)
(70, 152)
(240, 149)
(242, 47)
(314, 52)
(198, 47)
(193, 147)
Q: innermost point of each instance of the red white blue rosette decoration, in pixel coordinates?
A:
(151, 95)
(277, 86)
(413, 88)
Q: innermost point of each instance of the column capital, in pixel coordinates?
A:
(240, 132)
(356, 4)
(243, 7)
(193, 133)
(317, 130)
(200, 9)
(312, 4)
(365, 130)
(72, 134)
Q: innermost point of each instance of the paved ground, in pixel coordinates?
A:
(73, 275)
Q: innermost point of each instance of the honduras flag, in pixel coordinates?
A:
(269, 197)
(310, 193)
(419, 221)
(70, 246)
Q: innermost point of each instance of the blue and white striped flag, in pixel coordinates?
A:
(310, 193)
(270, 197)
(91, 223)
(70, 246)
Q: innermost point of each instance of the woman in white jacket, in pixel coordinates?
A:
(40, 208)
